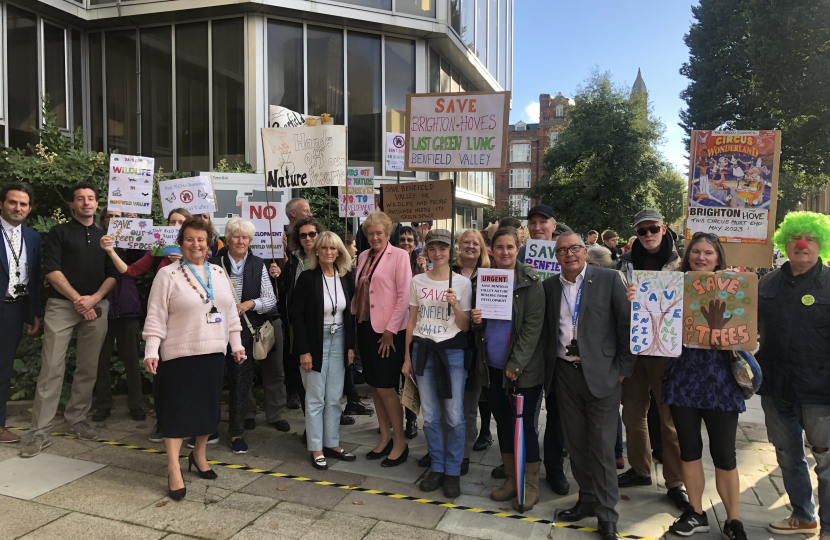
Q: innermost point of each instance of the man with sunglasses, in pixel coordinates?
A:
(654, 249)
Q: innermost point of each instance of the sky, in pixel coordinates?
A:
(556, 44)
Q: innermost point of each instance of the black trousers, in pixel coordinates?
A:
(124, 332)
(11, 321)
(503, 413)
(554, 439)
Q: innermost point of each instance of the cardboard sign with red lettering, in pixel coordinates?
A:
(268, 222)
(720, 310)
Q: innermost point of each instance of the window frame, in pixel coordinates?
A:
(524, 178)
(514, 148)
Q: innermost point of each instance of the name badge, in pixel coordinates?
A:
(214, 317)
(333, 329)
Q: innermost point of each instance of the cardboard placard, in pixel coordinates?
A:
(657, 313)
(411, 398)
(494, 296)
(164, 243)
(194, 194)
(360, 191)
(282, 117)
(540, 254)
(461, 131)
(720, 310)
(130, 184)
(395, 151)
(131, 233)
(418, 201)
(305, 156)
(268, 237)
(342, 201)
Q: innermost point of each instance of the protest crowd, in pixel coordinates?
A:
(397, 304)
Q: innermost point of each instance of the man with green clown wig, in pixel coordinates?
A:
(794, 327)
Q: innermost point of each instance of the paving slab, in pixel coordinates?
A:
(305, 493)
(19, 517)
(389, 509)
(28, 478)
(88, 527)
(395, 531)
(248, 502)
(286, 520)
(126, 458)
(492, 527)
(338, 525)
(214, 521)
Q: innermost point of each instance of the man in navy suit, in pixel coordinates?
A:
(20, 259)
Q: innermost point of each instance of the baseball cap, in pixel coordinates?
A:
(543, 209)
(417, 224)
(439, 235)
(561, 228)
(649, 214)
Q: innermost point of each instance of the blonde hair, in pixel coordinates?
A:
(483, 258)
(343, 262)
(378, 218)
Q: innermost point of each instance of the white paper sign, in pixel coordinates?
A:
(130, 184)
(494, 293)
(280, 117)
(131, 233)
(342, 202)
(164, 241)
(305, 156)
(395, 151)
(266, 237)
(359, 192)
(540, 254)
(194, 194)
(657, 313)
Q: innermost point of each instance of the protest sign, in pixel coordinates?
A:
(280, 117)
(305, 156)
(657, 314)
(194, 194)
(342, 202)
(720, 310)
(360, 191)
(416, 201)
(411, 398)
(268, 237)
(164, 241)
(131, 233)
(540, 254)
(494, 294)
(462, 131)
(395, 151)
(130, 184)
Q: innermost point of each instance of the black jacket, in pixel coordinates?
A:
(795, 335)
(306, 314)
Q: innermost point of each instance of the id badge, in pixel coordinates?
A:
(214, 317)
(333, 329)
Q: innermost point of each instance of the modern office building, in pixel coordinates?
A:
(189, 82)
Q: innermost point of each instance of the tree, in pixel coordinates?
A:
(604, 166)
(671, 194)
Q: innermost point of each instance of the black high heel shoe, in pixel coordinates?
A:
(209, 474)
(399, 460)
(176, 494)
(384, 452)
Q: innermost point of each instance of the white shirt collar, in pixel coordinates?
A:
(579, 277)
(9, 227)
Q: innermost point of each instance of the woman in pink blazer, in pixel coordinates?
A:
(381, 305)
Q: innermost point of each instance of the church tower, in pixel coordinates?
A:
(639, 86)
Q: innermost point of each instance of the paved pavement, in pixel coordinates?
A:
(120, 492)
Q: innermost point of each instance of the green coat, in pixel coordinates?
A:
(525, 351)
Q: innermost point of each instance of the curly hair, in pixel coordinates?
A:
(797, 223)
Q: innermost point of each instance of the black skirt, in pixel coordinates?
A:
(192, 390)
(380, 372)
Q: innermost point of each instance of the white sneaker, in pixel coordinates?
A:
(792, 525)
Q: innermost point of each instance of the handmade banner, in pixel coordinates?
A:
(494, 294)
(462, 131)
(130, 184)
(267, 238)
(540, 254)
(305, 156)
(164, 241)
(131, 233)
(411, 397)
(194, 194)
(360, 191)
(280, 117)
(395, 151)
(416, 201)
(342, 202)
(720, 310)
(657, 314)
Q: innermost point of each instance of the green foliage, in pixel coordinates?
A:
(792, 189)
(235, 167)
(496, 214)
(671, 194)
(324, 207)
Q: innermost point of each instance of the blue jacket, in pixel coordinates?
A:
(794, 327)
(31, 239)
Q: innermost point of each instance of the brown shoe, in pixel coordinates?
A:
(792, 525)
(7, 436)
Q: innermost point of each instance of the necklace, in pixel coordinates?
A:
(208, 288)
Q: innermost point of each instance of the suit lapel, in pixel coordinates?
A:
(587, 292)
(554, 306)
(4, 258)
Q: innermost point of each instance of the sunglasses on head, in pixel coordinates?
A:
(654, 229)
(304, 235)
(708, 236)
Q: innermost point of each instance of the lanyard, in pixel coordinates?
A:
(328, 292)
(17, 255)
(209, 287)
(575, 310)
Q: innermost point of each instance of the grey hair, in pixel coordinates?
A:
(570, 233)
(291, 205)
(239, 225)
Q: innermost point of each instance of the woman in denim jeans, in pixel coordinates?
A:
(438, 318)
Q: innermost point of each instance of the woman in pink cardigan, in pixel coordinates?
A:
(191, 320)
(381, 305)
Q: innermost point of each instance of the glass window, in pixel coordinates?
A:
(228, 37)
(503, 43)
(456, 81)
(425, 8)
(445, 76)
(554, 136)
(400, 81)
(455, 15)
(96, 92)
(192, 114)
(519, 178)
(325, 72)
(493, 39)
(519, 205)
(468, 24)
(365, 91)
(21, 29)
(560, 111)
(77, 82)
(157, 95)
(434, 72)
(54, 70)
(378, 4)
(519, 152)
(285, 65)
(122, 104)
(481, 30)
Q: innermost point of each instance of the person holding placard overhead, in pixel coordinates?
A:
(510, 356)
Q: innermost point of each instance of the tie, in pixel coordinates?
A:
(14, 270)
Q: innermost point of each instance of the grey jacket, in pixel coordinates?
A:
(602, 329)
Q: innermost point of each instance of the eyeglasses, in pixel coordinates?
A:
(573, 249)
(654, 229)
(407, 240)
(304, 235)
(708, 236)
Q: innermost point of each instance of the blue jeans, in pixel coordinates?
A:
(445, 458)
(785, 421)
(322, 393)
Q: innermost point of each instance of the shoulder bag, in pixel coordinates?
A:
(264, 339)
(747, 372)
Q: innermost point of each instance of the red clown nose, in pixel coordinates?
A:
(801, 244)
